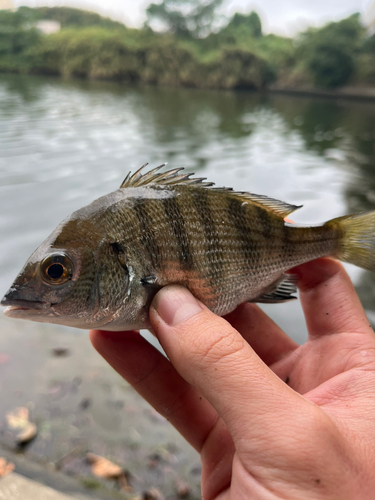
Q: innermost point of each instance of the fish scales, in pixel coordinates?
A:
(176, 229)
(102, 266)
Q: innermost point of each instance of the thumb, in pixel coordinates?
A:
(212, 356)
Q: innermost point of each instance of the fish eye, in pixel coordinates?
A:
(56, 269)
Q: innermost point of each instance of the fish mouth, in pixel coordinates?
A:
(17, 307)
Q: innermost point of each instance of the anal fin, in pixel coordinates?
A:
(281, 291)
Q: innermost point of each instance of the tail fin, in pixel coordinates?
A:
(357, 245)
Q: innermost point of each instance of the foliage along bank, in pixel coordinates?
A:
(237, 55)
(94, 48)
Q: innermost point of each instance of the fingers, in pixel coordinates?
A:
(216, 359)
(155, 379)
(329, 300)
(263, 335)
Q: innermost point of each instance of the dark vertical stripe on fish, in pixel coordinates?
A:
(147, 237)
(177, 223)
(286, 232)
(202, 206)
(265, 221)
(238, 214)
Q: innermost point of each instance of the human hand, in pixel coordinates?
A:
(271, 419)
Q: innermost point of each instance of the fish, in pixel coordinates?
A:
(102, 266)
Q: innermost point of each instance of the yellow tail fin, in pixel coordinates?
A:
(357, 242)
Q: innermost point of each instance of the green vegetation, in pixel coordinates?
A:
(197, 48)
(16, 36)
(185, 18)
(330, 53)
(100, 53)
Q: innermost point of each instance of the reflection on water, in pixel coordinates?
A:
(63, 144)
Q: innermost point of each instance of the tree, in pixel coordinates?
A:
(331, 65)
(185, 18)
(368, 45)
(17, 34)
(250, 23)
(330, 52)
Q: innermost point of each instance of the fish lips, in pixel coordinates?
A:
(21, 308)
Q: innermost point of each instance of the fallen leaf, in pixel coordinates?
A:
(18, 420)
(5, 467)
(153, 494)
(123, 482)
(28, 433)
(102, 467)
(183, 489)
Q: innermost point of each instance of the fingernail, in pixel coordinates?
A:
(175, 305)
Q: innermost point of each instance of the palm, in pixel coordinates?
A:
(316, 368)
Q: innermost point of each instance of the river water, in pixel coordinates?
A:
(63, 144)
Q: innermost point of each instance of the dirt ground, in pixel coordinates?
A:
(80, 405)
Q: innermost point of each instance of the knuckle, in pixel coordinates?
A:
(217, 341)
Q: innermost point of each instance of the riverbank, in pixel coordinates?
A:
(360, 93)
(81, 406)
(238, 56)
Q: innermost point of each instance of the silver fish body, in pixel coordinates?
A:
(102, 266)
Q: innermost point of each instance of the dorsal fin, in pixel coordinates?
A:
(278, 207)
(172, 177)
(163, 178)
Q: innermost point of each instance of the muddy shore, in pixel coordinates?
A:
(80, 405)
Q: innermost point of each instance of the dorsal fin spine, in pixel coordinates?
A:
(174, 177)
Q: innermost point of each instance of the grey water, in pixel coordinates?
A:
(65, 143)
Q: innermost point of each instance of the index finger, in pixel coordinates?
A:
(329, 300)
